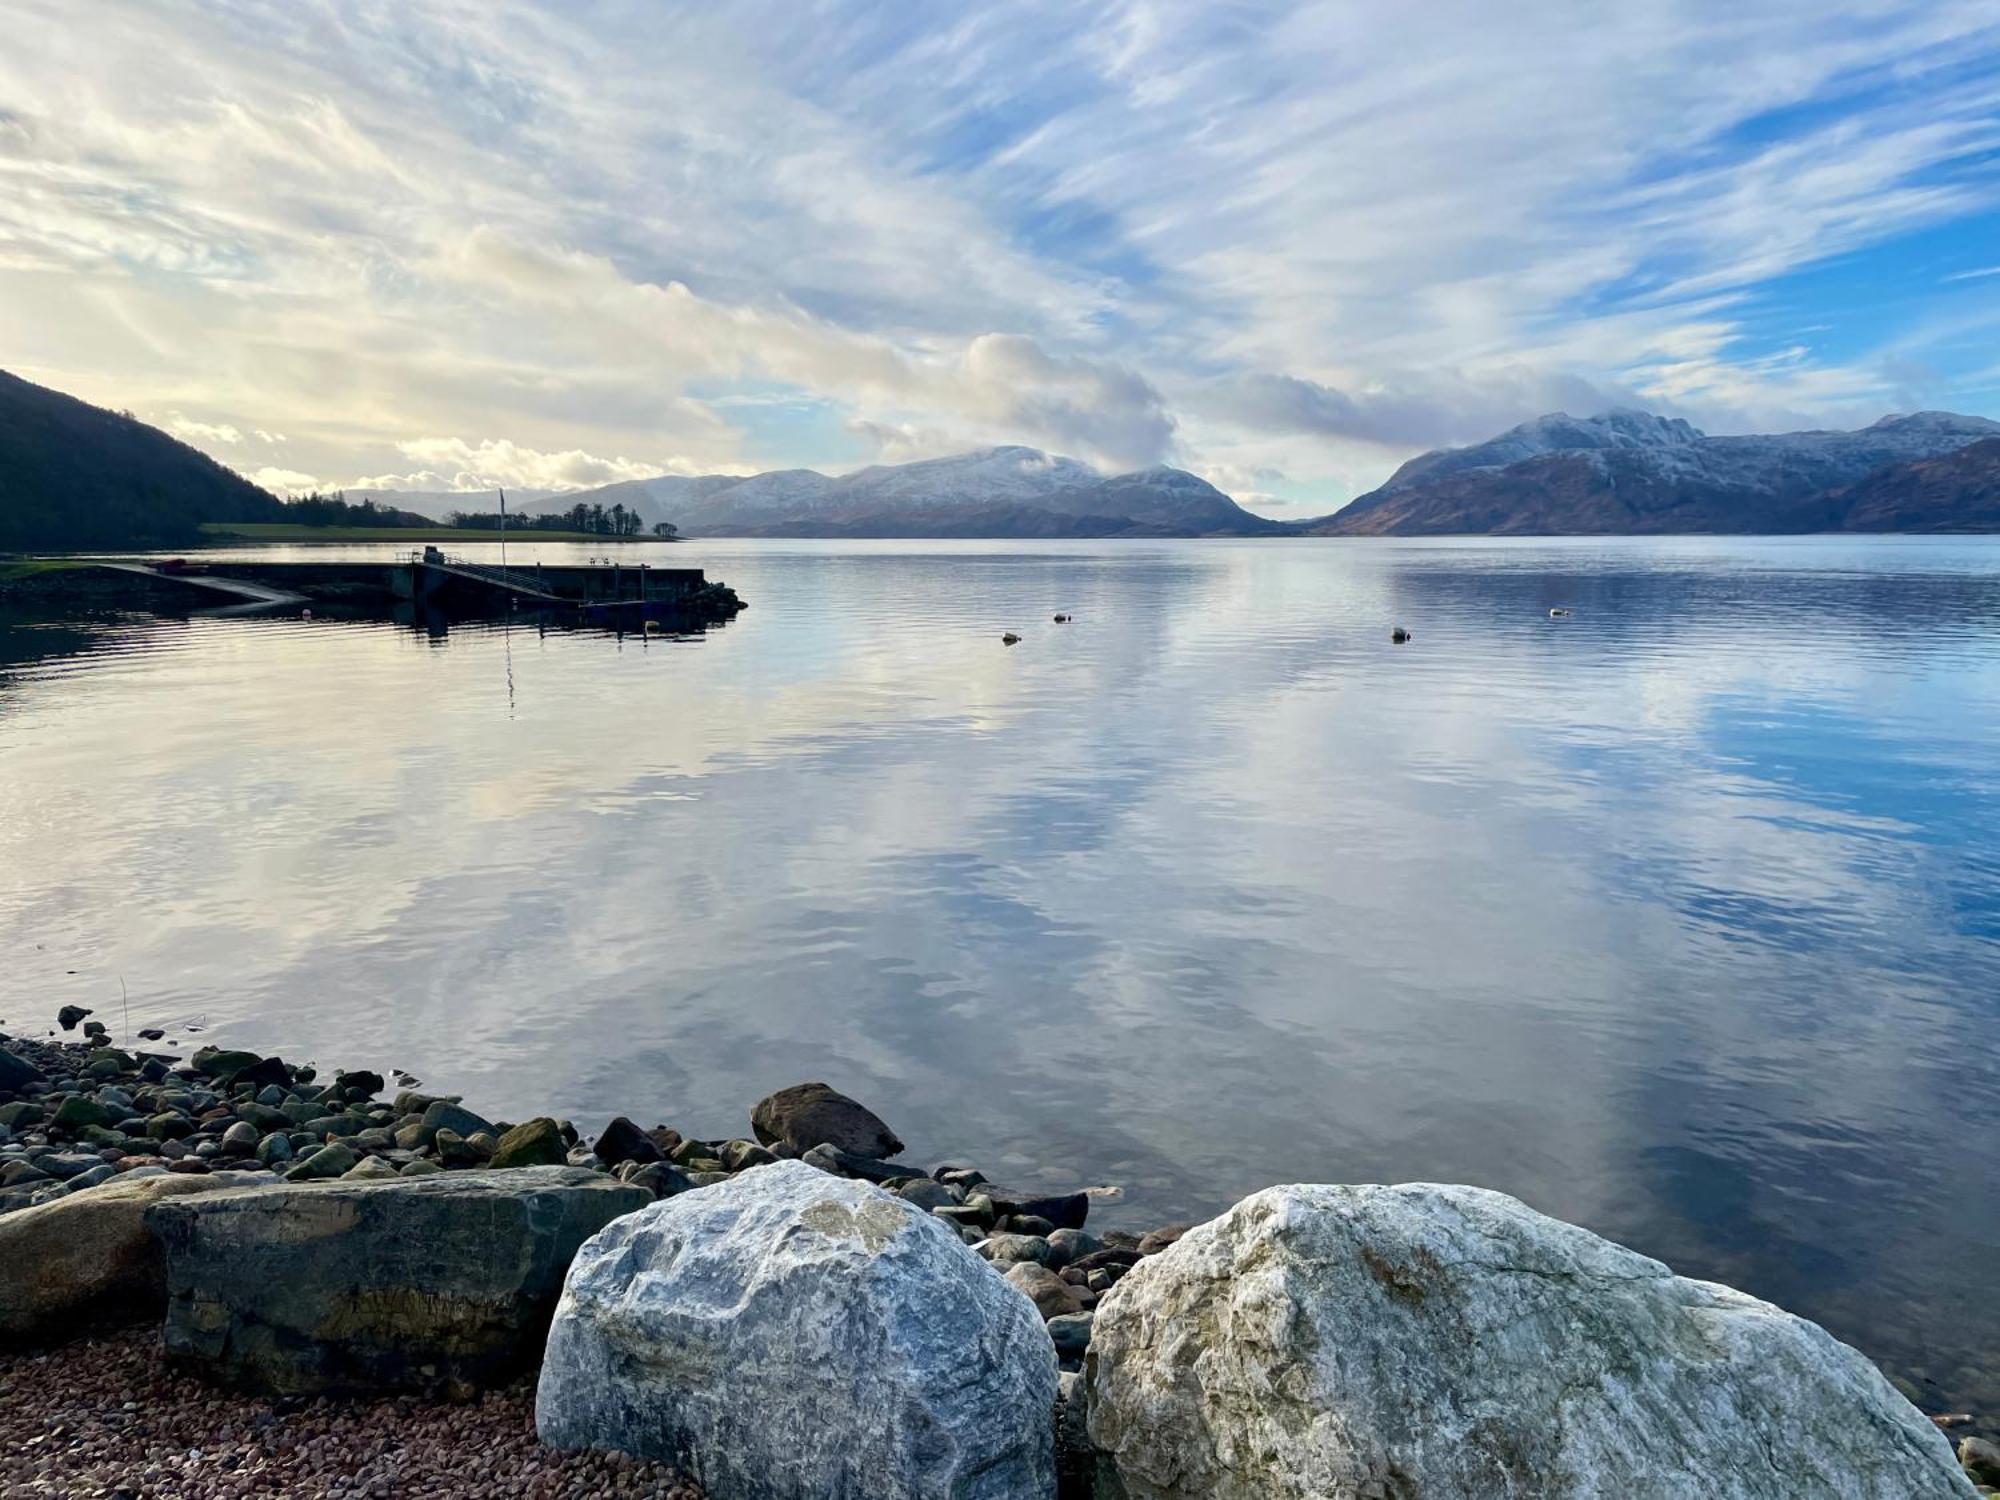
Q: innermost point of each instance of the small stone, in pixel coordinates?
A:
(1053, 1297)
(333, 1160)
(624, 1141)
(662, 1179)
(927, 1194)
(1014, 1249)
(240, 1138)
(418, 1168)
(69, 1015)
(274, 1149)
(739, 1156)
(1071, 1334)
(1160, 1239)
(77, 1111)
(444, 1114)
(369, 1169)
(1980, 1459)
(537, 1143)
(1067, 1245)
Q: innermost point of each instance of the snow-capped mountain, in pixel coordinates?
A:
(1631, 472)
(1557, 432)
(995, 492)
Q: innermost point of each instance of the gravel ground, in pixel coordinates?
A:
(105, 1417)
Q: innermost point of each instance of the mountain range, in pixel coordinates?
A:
(1634, 473)
(994, 492)
(74, 476)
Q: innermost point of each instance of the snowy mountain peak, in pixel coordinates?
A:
(1557, 432)
(1944, 423)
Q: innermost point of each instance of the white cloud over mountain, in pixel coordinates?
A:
(548, 245)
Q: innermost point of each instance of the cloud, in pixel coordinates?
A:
(1287, 235)
(203, 432)
(284, 481)
(454, 464)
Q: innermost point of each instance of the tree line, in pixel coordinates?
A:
(595, 519)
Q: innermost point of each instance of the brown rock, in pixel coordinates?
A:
(812, 1114)
(88, 1256)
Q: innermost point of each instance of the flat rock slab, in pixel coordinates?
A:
(787, 1335)
(362, 1287)
(89, 1257)
(1387, 1343)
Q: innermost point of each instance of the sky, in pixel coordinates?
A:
(1283, 245)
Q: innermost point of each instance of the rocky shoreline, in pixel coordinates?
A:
(322, 1284)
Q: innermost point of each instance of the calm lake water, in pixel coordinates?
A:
(1678, 917)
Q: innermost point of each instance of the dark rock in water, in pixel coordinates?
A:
(69, 1015)
(16, 1072)
(151, 1034)
(665, 1141)
(318, 1290)
(534, 1143)
(96, 1030)
(844, 1164)
(812, 1114)
(362, 1081)
(624, 1141)
(1062, 1210)
(234, 1067)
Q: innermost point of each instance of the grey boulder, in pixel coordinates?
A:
(351, 1287)
(787, 1335)
(1448, 1342)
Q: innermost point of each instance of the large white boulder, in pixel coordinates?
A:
(1448, 1343)
(788, 1335)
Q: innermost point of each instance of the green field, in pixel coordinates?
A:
(13, 571)
(285, 531)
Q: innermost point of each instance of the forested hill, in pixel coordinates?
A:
(74, 476)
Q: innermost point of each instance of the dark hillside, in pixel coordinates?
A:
(76, 477)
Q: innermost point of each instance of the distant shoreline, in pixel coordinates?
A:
(229, 533)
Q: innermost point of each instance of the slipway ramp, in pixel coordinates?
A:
(236, 591)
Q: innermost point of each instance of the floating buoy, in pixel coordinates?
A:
(1557, 614)
(1010, 639)
(1398, 636)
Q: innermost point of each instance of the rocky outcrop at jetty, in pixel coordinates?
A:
(1451, 1343)
(792, 1336)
